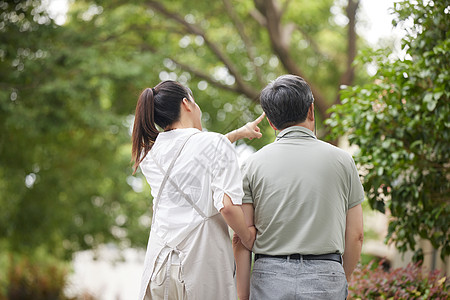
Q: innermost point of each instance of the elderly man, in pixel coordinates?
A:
(304, 196)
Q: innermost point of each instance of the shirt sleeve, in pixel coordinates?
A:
(356, 191)
(246, 184)
(226, 176)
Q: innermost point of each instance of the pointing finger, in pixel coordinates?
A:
(260, 118)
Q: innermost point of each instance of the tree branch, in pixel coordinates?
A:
(280, 37)
(206, 77)
(349, 74)
(245, 38)
(285, 6)
(243, 87)
(255, 14)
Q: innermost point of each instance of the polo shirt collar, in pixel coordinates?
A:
(296, 131)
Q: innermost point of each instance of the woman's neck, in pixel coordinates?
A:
(180, 125)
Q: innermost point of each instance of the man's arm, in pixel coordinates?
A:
(354, 235)
(243, 257)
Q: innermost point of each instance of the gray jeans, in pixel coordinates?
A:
(278, 278)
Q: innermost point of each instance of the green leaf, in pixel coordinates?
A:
(428, 97)
(431, 105)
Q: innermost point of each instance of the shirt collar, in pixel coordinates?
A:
(171, 134)
(296, 131)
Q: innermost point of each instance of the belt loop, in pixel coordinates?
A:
(288, 258)
(301, 259)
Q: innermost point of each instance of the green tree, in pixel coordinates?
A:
(64, 149)
(236, 47)
(401, 122)
(69, 92)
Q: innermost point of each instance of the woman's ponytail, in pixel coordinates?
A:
(144, 128)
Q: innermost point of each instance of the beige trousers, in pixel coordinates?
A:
(156, 287)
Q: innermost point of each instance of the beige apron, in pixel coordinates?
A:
(205, 254)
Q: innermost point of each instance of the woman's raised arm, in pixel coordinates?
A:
(249, 131)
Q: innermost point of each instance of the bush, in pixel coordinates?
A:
(37, 275)
(35, 279)
(400, 123)
(372, 282)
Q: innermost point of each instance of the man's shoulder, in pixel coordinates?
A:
(265, 151)
(332, 148)
(336, 153)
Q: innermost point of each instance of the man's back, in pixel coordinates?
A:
(304, 197)
(301, 189)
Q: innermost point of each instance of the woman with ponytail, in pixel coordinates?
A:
(197, 191)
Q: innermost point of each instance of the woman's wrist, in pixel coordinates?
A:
(238, 134)
(249, 238)
(233, 136)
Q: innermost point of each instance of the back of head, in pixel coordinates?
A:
(286, 101)
(160, 106)
(168, 96)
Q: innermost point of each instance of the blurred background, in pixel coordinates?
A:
(74, 221)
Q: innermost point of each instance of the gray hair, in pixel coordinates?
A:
(286, 101)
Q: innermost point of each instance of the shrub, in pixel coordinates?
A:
(372, 282)
(35, 279)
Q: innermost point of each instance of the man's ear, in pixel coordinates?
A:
(311, 112)
(271, 125)
(186, 104)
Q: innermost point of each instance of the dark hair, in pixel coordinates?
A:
(160, 105)
(286, 101)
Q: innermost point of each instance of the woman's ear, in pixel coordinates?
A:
(186, 104)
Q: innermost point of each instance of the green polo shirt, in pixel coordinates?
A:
(301, 189)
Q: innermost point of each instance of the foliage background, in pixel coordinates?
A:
(68, 95)
(400, 123)
(69, 92)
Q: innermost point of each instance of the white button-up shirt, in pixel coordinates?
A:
(206, 169)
